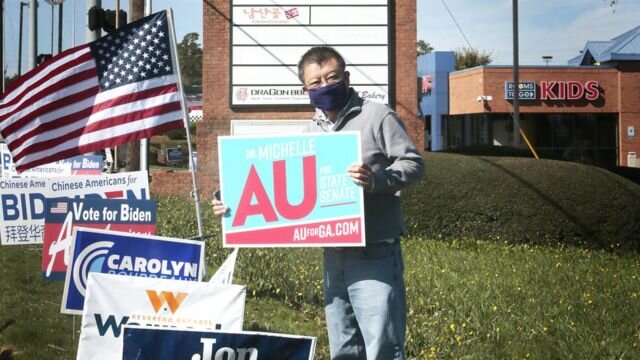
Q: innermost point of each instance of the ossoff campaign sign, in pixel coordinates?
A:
(114, 300)
(23, 201)
(113, 252)
(172, 344)
(64, 214)
(291, 190)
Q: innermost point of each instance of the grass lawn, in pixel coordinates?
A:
(507, 259)
(467, 299)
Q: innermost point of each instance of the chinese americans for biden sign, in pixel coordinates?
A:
(291, 190)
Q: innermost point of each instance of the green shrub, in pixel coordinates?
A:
(176, 134)
(521, 200)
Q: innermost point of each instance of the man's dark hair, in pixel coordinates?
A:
(318, 55)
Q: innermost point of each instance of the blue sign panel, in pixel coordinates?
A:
(171, 344)
(121, 253)
(63, 214)
(526, 90)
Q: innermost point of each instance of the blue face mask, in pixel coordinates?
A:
(330, 97)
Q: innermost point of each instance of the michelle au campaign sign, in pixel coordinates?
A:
(114, 301)
(291, 190)
(171, 344)
(62, 215)
(121, 253)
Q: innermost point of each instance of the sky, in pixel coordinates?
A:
(187, 15)
(557, 28)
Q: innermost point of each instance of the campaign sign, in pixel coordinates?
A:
(291, 190)
(172, 344)
(114, 252)
(114, 301)
(86, 164)
(23, 200)
(7, 168)
(63, 214)
(77, 165)
(174, 154)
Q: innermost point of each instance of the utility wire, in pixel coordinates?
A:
(458, 26)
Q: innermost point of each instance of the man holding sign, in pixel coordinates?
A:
(364, 293)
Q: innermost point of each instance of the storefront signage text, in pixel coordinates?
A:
(554, 90)
(569, 90)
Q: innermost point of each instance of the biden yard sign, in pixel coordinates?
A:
(63, 214)
(291, 191)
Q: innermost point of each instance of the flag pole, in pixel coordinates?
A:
(185, 118)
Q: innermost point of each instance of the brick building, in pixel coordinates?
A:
(235, 50)
(588, 111)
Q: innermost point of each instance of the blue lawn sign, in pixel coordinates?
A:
(122, 253)
(174, 154)
(171, 344)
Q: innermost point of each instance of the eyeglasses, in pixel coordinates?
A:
(332, 78)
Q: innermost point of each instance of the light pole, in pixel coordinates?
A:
(516, 77)
(53, 3)
(547, 59)
(22, 5)
(33, 33)
(2, 47)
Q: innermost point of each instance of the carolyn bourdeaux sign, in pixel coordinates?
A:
(291, 190)
(171, 344)
(23, 200)
(114, 300)
(64, 214)
(121, 253)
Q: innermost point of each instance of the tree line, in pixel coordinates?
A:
(465, 57)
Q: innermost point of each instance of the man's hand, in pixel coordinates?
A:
(219, 209)
(361, 174)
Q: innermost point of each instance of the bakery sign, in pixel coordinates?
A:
(556, 90)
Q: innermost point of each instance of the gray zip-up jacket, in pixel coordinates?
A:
(391, 154)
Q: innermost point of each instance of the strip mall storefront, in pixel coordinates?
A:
(585, 114)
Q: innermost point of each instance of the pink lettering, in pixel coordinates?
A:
(546, 90)
(592, 92)
(575, 90)
(254, 187)
(285, 209)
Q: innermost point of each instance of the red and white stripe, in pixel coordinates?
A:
(60, 208)
(58, 110)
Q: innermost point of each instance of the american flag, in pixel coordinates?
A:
(120, 88)
(59, 208)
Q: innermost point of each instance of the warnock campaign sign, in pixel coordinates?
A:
(291, 190)
(114, 252)
(114, 301)
(172, 344)
(62, 215)
(23, 200)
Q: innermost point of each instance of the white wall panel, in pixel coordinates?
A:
(333, 35)
(352, 15)
(290, 55)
